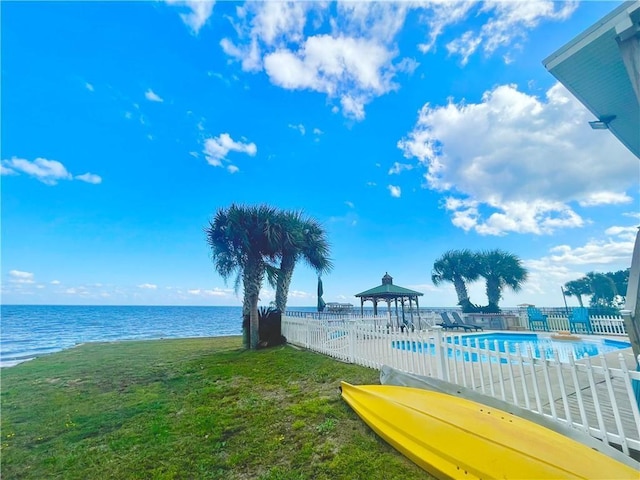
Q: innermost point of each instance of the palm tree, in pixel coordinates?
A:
(603, 290)
(501, 269)
(301, 239)
(244, 240)
(577, 288)
(457, 267)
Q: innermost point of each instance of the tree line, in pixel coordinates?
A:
(500, 270)
(250, 243)
(607, 290)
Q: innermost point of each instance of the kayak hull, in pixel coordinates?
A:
(451, 437)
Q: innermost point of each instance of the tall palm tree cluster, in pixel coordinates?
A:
(607, 290)
(254, 242)
(500, 269)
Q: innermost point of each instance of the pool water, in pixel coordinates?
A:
(521, 343)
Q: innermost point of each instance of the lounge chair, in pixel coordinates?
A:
(459, 321)
(537, 319)
(447, 324)
(579, 320)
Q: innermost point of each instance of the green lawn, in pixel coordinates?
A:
(192, 408)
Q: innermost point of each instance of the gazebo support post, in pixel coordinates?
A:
(411, 312)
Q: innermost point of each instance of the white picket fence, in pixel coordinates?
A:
(601, 325)
(591, 394)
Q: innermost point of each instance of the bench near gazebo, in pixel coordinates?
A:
(388, 292)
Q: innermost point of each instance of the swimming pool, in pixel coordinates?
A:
(521, 343)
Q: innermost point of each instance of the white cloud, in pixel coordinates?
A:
(89, 178)
(197, 12)
(625, 233)
(48, 172)
(148, 286)
(232, 169)
(565, 262)
(299, 127)
(355, 59)
(17, 276)
(217, 148)
(89, 87)
(605, 198)
(7, 171)
(593, 252)
(349, 204)
(441, 15)
(399, 167)
(216, 292)
(317, 131)
(518, 162)
(300, 294)
(352, 64)
(506, 24)
(55, 282)
(394, 190)
(354, 70)
(152, 96)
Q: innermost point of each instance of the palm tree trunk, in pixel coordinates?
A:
(580, 300)
(252, 278)
(284, 281)
(246, 321)
(461, 290)
(493, 291)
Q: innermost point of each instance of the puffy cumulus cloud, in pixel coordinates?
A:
(395, 191)
(153, 96)
(17, 276)
(348, 50)
(217, 148)
(195, 13)
(351, 69)
(516, 163)
(148, 286)
(353, 64)
(48, 172)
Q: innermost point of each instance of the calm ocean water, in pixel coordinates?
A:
(29, 331)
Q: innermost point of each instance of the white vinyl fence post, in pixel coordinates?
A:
(351, 333)
(440, 353)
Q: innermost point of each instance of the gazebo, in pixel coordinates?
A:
(389, 292)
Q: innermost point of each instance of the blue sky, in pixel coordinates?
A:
(406, 129)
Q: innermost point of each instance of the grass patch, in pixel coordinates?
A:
(192, 409)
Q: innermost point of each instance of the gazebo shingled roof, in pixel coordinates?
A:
(391, 291)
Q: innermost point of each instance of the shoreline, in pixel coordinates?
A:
(27, 358)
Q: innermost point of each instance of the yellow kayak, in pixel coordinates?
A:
(451, 437)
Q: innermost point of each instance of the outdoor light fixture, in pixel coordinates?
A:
(602, 123)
